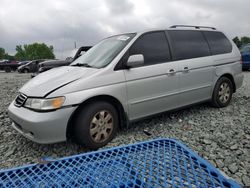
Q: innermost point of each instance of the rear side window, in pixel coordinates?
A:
(218, 42)
(188, 44)
(153, 46)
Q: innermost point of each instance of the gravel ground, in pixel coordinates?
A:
(220, 135)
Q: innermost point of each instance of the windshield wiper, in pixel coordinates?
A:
(82, 65)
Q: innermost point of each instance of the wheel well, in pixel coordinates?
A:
(116, 103)
(230, 77)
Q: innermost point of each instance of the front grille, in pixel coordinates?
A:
(20, 100)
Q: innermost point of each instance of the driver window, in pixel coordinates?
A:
(153, 46)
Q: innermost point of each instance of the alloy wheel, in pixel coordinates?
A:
(224, 92)
(101, 126)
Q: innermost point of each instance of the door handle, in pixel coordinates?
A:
(171, 72)
(185, 69)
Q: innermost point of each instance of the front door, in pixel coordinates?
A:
(152, 88)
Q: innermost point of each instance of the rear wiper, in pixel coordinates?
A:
(82, 65)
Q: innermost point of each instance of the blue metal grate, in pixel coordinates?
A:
(156, 163)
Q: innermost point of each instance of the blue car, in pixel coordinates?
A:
(245, 53)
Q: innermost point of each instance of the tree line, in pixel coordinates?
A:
(241, 41)
(29, 52)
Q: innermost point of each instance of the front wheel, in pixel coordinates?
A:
(223, 92)
(96, 124)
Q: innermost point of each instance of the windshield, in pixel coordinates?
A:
(104, 52)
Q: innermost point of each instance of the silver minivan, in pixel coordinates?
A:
(125, 78)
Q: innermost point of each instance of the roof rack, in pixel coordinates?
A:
(195, 26)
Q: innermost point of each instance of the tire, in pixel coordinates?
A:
(25, 71)
(222, 93)
(7, 69)
(245, 69)
(90, 126)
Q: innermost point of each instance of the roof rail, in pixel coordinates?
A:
(195, 26)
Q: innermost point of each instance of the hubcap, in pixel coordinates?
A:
(224, 92)
(101, 126)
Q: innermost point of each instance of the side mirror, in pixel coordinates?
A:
(135, 60)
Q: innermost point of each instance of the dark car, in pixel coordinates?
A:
(8, 65)
(30, 67)
(46, 65)
(245, 54)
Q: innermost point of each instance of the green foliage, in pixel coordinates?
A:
(34, 51)
(242, 41)
(10, 57)
(2, 53)
(237, 41)
(245, 40)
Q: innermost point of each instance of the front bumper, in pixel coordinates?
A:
(42, 69)
(33, 75)
(41, 127)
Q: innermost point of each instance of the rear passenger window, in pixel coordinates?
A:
(218, 42)
(153, 46)
(188, 44)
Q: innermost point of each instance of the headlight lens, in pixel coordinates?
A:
(44, 104)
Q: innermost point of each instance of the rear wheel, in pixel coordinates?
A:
(25, 70)
(223, 92)
(7, 69)
(96, 124)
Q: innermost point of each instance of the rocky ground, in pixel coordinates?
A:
(220, 135)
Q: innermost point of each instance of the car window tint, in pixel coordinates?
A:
(153, 46)
(218, 42)
(188, 44)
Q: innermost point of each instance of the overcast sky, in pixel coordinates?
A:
(61, 22)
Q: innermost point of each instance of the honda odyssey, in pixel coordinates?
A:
(124, 78)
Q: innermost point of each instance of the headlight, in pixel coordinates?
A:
(44, 104)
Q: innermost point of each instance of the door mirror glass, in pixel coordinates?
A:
(135, 60)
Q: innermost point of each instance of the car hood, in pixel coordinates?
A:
(49, 81)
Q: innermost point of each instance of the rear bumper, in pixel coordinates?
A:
(40, 127)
